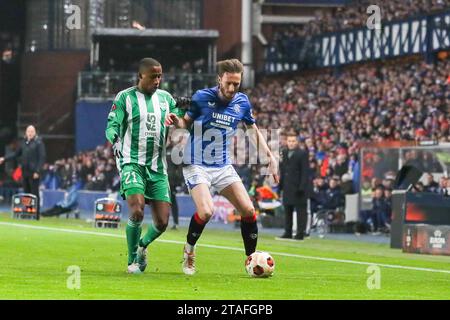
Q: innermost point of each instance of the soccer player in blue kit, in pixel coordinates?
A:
(216, 112)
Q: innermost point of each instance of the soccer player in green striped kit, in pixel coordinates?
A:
(137, 130)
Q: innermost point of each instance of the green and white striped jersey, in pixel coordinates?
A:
(138, 119)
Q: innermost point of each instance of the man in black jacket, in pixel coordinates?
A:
(295, 186)
(32, 153)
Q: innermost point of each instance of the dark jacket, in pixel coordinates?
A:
(294, 177)
(32, 155)
(319, 198)
(380, 205)
(335, 198)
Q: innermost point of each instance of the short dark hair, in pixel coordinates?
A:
(148, 63)
(291, 133)
(230, 65)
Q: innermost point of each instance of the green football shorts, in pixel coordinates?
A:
(138, 179)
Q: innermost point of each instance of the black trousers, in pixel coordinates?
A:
(31, 185)
(173, 199)
(302, 218)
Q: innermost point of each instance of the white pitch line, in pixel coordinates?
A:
(393, 266)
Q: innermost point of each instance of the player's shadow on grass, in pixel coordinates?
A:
(122, 273)
(168, 274)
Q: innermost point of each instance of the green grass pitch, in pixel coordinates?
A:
(34, 264)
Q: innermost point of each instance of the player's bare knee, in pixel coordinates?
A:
(162, 227)
(161, 224)
(249, 212)
(205, 215)
(137, 214)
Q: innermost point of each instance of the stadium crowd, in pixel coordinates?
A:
(355, 15)
(336, 113)
(95, 170)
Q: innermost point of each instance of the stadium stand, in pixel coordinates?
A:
(354, 15)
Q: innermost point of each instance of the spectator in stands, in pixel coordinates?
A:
(443, 184)
(366, 189)
(419, 187)
(380, 211)
(341, 166)
(110, 174)
(388, 182)
(319, 195)
(64, 173)
(51, 179)
(334, 196)
(375, 182)
(87, 169)
(430, 184)
(388, 198)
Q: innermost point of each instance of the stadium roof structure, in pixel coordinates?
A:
(155, 33)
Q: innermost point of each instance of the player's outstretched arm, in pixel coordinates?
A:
(115, 119)
(178, 122)
(258, 140)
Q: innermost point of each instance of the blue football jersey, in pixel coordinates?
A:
(215, 123)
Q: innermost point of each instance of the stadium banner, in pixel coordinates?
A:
(426, 239)
(424, 34)
(419, 35)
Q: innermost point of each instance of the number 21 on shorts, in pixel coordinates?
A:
(128, 176)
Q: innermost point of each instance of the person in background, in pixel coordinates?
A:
(294, 184)
(32, 154)
(380, 211)
(430, 184)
